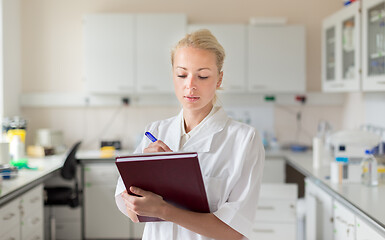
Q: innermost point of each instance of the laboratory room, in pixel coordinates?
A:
(179, 120)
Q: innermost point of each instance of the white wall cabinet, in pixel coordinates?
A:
(109, 52)
(341, 55)
(276, 59)
(22, 218)
(373, 49)
(233, 39)
(319, 213)
(156, 35)
(99, 189)
(125, 53)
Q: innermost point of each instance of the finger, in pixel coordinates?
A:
(164, 146)
(138, 191)
(158, 146)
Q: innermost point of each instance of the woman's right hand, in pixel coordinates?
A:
(130, 213)
(157, 146)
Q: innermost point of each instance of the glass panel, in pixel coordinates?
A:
(376, 40)
(348, 48)
(330, 57)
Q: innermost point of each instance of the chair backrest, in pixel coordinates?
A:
(68, 170)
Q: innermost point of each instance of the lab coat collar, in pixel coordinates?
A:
(201, 141)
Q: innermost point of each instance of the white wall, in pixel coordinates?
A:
(375, 109)
(52, 61)
(10, 63)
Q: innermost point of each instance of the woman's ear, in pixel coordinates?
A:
(219, 83)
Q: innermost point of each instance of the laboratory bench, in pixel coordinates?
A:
(100, 219)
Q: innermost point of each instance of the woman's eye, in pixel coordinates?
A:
(201, 77)
(182, 76)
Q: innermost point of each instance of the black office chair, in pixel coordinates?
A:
(64, 195)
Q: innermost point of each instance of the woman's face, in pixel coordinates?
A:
(196, 78)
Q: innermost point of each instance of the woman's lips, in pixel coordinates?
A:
(191, 98)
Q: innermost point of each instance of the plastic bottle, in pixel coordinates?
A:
(369, 175)
(16, 148)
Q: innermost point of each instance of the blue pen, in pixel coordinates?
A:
(151, 137)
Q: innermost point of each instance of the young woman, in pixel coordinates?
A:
(231, 154)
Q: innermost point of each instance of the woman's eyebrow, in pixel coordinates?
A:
(200, 69)
(181, 67)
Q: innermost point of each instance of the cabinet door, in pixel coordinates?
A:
(155, 36)
(341, 50)
(344, 223)
(31, 212)
(276, 59)
(109, 53)
(99, 201)
(365, 232)
(319, 213)
(233, 39)
(10, 217)
(373, 45)
(13, 234)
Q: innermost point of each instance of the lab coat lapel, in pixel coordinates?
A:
(201, 142)
(174, 132)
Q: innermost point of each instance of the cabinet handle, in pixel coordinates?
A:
(35, 199)
(266, 207)
(36, 220)
(338, 85)
(331, 219)
(8, 217)
(263, 230)
(258, 86)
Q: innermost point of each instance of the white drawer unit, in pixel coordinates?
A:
(276, 213)
(273, 210)
(273, 231)
(22, 218)
(344, 223)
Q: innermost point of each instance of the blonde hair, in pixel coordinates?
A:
(205, 40)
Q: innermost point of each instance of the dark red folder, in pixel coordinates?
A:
(176, 177)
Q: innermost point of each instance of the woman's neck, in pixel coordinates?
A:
(193, 118)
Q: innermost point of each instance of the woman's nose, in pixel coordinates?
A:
(190, 82)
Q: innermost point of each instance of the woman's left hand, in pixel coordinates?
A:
(149, 204)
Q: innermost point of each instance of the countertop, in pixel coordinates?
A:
(367, 202)
(28, 178)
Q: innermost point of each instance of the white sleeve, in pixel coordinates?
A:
(238, 211)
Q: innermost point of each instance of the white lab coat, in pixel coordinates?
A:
(231, 157)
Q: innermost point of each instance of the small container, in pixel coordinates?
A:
(381, 174)
(369, 174)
